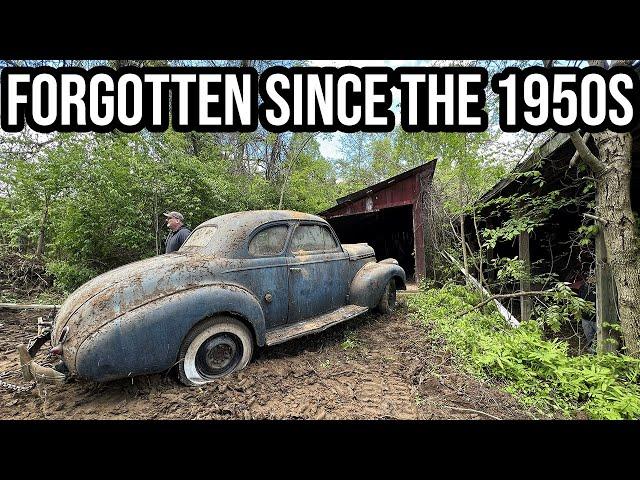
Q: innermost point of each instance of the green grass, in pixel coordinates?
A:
(351, 341)
(539, 372)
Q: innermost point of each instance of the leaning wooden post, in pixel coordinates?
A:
(464, 249)
(525, 281)
(491, 272)
(607, 319)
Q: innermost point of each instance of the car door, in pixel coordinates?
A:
(318, 271)
(267, 271)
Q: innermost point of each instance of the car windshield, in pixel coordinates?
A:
(200, 237)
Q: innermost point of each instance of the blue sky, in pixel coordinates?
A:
(330, 143)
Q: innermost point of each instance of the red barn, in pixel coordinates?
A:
(390, 217)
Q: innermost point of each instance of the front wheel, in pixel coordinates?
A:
(388, 300)
(214, 348)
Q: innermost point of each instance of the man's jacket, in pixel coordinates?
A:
(176, 239)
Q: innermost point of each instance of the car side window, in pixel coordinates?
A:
(269, 241)
(312, 238)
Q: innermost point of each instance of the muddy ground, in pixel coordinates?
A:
(371, 367)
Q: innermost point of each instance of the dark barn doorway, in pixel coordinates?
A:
(388, 231)
(389, 216)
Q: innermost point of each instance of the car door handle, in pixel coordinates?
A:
(295, 269)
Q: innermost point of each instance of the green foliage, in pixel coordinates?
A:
(465, 170)
(538, 371)
(69, 276)
(587, 233)
(509, 269)
(524, 213)
(564, 306)
(351, 341)
(98, 198)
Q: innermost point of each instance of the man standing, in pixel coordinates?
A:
(178, 233)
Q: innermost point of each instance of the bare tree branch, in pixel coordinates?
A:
(576, 155)
(581, 143)
(596, 218)
(621, 63)
(589, 158)
(598, 63)
(288, 172)
(541, 293)
(473, 411)
(9, 63)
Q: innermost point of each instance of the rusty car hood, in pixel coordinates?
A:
(118, 291)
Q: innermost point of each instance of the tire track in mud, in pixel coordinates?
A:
(372, 367)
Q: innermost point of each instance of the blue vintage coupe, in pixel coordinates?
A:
(240, 280)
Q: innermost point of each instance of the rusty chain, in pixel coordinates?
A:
(17, 388)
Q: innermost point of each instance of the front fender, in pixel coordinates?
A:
(147, 339)
(369, 283)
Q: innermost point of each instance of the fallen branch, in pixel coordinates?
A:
(27, 306)
(539, 293)
(501, 308)
(596, 218)
(472, 410)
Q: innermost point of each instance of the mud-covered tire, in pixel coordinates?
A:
(214, 348)
(387, 302)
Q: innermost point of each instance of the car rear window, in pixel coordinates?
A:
(200, 237)
(269, 241)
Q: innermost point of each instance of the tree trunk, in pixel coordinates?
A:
(620, 235)
(240, 167)
(272, 159)
(43, 228)
(155, 220)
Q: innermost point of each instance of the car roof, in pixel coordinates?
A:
(233, 229)
(246, 222)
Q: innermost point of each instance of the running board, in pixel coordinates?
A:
(313, 324)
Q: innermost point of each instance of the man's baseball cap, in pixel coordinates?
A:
(176, 215)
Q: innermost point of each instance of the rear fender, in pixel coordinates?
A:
(369, 283)
(148, 339)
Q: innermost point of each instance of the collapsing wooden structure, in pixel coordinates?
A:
(389, 216)
(553, 247)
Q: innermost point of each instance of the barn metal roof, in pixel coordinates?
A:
(385, 184)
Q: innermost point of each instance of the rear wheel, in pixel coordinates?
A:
(388, 300)
(214, 348)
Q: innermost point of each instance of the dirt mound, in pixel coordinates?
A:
(23, 276)
(372, 367)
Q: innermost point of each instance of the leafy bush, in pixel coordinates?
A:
(537, 371)
(67, 276)
(563, 305)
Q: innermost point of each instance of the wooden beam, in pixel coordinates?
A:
(492, 272)
(25, 306)
(525, 283)
(418, 240)
(606, 308)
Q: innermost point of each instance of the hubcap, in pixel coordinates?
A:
(218, 355)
